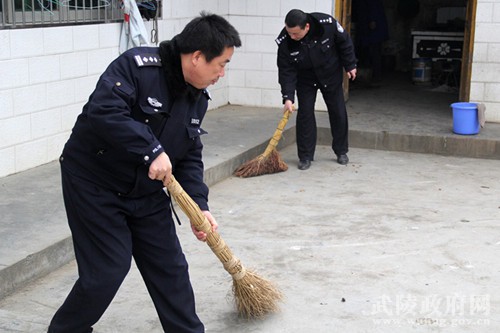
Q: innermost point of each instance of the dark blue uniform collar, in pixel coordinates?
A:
(316, 30)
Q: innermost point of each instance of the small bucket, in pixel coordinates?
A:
(465, 119)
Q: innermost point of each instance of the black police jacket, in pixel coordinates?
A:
(133, 115)
(317, 58)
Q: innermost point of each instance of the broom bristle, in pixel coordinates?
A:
(262, 165)
(255, 297)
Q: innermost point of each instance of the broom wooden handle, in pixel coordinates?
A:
(231, 263)
(277, 134)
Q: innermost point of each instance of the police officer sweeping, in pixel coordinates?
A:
(140, 126)
(313, 50)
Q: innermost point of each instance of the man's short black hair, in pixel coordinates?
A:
(208, 33)
(296, 17)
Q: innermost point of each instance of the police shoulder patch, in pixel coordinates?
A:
(281, 38)
(326, 20)
(143, 60)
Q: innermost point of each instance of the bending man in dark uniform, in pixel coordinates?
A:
(313, 50)
(140, 126)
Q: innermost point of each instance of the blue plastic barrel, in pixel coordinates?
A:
(422, 68)
(465, 120)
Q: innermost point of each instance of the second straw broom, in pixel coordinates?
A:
(270, 160)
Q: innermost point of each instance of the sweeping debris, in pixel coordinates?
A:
(270, 161)
(254, 296)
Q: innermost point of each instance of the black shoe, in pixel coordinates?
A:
(342, 159)
(304, 164)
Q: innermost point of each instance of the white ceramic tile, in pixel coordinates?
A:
(485, 72)
(60, 93)
(247, 24)
(69, 114)
(261, 79)
(74, 64)
(45, 123)
(496, 12)
(237, 7)
(58, 40)
(26, 43)
(5, 42)
(14, 130)
(269, 63)
(85, 37)
(236, 78)
(31, 154)
(6, 104)
(245, 96)
(109, 35)
(492, 92)
(14, 73)
(55, 145)
(44, 69)
(484, 12)
(493, 53)
(247, 61)
(481, 52)
(261, 43)
(30, 99)
(487, 33)
(7, 161)
(99, 59)
(477, 91)
(84, 87)
(263, 8)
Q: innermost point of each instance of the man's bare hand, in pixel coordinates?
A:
(288, 106)
(352, 74)
(201, 235)
(161, 169)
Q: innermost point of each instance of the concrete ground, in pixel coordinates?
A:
(403, 239)
(392, 242)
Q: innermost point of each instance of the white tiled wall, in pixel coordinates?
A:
(47, 74)
(485, 82)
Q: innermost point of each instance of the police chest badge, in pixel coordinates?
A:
(154, 102)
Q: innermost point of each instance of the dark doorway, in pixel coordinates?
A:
(423, 52)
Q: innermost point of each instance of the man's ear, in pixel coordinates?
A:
(196, 57)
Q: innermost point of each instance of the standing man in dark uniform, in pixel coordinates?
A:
(140, 125)
(313, 50)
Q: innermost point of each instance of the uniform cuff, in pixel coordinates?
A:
(350, 68)
(152, 152)
(286, 97)
(201, 203)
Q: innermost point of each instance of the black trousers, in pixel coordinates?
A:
(306, 121)
(107, 231)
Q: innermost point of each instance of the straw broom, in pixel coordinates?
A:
(254, 296)
(270, 161)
